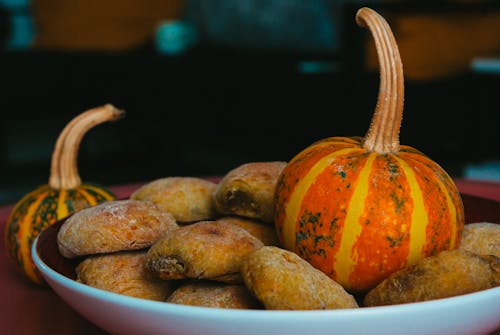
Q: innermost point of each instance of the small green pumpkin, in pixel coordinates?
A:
(64, 194)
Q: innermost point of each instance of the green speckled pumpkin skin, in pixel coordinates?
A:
(39, 209)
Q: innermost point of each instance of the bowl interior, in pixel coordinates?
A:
(48, 252)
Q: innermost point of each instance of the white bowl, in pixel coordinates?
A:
(475, 313)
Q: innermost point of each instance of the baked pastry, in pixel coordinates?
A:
(481, 238)
(188, 199)
(263, 231)
(213, 294)
(113, 226)
(248, 190)
(203, 250)
(282, 280)
(447, 274)
(123, 273)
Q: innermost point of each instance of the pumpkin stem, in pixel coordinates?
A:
(64, 167)
(383, 135)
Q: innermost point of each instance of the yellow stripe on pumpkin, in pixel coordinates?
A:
(25, 231)
(62, 208)
(104, 193)
(450, 211)
(90, 199)
(295, 202)
(419, 219)
(447, 187)
(349, 140)
(345, 258)
(330, 142)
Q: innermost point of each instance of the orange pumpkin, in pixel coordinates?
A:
(64, 194)
(361, 208)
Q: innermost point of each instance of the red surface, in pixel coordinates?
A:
(29, 309)
(484, 189)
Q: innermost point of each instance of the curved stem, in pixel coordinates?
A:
(64, 167)
(383, 135)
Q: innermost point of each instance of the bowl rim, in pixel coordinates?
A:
(261, 314)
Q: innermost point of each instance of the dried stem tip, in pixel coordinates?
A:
(64, 167)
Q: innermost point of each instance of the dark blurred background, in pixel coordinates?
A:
(211, 84)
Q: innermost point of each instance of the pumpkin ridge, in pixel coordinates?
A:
(449, 188)
(453, 216)
(383, 244)
(98, 193)
(329, 144)
(87, 196)
(452, 209)
(307, 158)
(293, 206)
(341, 139)
(78, 200)
(17, 218)
(419, 215)
(25, 231)
(438, 170)
(62, 209)
(322, 219)
(346, 256)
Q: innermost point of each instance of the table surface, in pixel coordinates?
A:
(31, 309)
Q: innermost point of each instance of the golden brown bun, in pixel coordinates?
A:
(481, 238)
(204, 250)
(188, 199)
(263, 231)
(113, 226)
(248, 190)
(282, 280)
(448, 274)
(123, 273)
(213, 294)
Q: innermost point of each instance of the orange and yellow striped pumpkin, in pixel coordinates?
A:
(65, 193)
(361, 208)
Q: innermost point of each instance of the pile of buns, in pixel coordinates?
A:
(192, 241)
